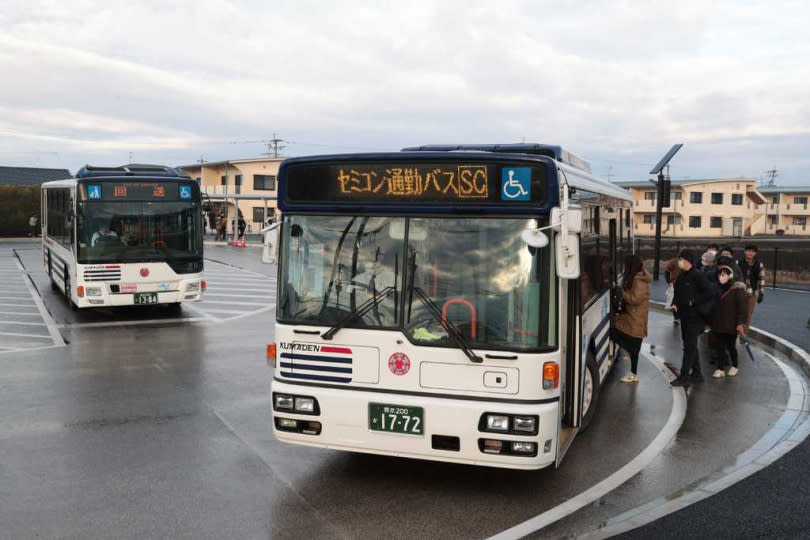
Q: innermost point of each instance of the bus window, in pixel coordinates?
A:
(482, 278)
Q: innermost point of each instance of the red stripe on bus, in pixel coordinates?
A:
(112, 267)
(339, 350)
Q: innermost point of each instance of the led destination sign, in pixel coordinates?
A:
(437, 183)
(136, 191)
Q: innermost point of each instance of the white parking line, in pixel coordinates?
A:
(637, 464)
(226, 311)
(4, 297)
(16, 305)
(53, 331)
(22, 323)
(19, 313)
(231, 295)
(15, 334)
(243, 289)
(234, 303)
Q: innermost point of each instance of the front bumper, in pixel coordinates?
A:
(344, 419)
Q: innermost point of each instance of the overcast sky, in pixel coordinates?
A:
(615, 82)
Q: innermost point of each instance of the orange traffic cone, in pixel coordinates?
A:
(235, 241)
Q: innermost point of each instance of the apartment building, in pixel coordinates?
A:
(726, 207)
(246, 185)
(786, 210)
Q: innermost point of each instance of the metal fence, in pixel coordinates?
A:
(786, 260)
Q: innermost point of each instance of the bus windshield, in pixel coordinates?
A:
(138, 231)
(475, 272)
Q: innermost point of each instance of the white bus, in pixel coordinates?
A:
(121, 236)
(448, 303)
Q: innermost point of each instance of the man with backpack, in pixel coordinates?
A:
(693, 301)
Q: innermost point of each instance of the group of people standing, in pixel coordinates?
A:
(219, 225)
(714, 293)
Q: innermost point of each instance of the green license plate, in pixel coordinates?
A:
(146, 298)
(396, 419)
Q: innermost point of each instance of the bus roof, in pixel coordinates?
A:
(132, 169)
(553, 151)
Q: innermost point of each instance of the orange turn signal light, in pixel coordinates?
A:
(80, 291)
(271, 351)
(551, 375)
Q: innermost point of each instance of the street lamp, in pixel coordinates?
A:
(664, 188)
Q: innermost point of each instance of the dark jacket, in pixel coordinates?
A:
(731, 309)
(633, 320)
(751, 273)
(692, 289)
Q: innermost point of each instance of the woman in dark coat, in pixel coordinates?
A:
(728, 320)
(631, 323)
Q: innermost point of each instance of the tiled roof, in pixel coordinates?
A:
(30, 176)
(784, 189)
(647, 183)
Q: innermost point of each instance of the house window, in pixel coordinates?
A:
(717, 198)
(238, 183)
(649, 195)
(775, 199)
(258, 213)
(800, 200)
(694, 222)
(648, 219)
(673, 220)
(696, 197)
(801, 221)
(223, 180)
(715, 222)
(264, 182)
(736, 199)
(774, 219)
(677, 195)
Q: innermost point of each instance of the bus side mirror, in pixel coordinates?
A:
(574, 219)
(567, 257)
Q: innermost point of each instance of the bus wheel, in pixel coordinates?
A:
(590, 391)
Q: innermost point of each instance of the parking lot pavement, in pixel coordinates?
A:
(234, 293)
(24, 323)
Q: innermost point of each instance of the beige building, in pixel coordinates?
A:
(786, 210)
(249, 185)
(730, 207)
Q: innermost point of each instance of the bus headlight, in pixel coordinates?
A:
(523, 447)
(525, 423)
(92, 291)
(194, 286)
(283, 401)
(497, 422)
(304, 405)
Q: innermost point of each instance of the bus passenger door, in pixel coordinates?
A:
(614, 279)
(573, 364)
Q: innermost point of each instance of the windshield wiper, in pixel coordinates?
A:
(451, 329)
(360, 311)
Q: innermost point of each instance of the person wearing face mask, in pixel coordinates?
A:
(728, 320)
(693, 293)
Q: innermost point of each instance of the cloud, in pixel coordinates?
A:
(619, 81)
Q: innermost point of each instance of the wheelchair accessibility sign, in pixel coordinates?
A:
(185, 192)
(94, 192)
(516, 184)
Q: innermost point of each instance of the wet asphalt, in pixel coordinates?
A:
(150, 423)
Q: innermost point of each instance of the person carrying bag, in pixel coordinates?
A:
(728, 321)
(631, 322)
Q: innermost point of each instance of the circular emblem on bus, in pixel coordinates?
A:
(399, 363)
(144, 272)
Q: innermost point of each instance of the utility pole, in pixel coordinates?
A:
(610, 174)
(772, 174)
(663, 191)
(273, 146)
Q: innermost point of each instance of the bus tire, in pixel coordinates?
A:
(590, 391)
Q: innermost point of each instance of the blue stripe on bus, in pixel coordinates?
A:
(311, 367)
(601, 325)
(316, 377)
(602, 342)
(336, 359)
(602, 357)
